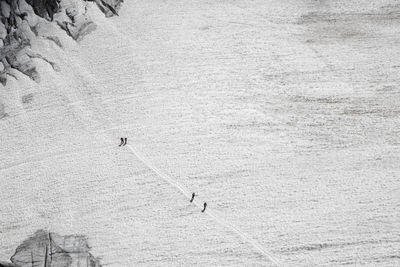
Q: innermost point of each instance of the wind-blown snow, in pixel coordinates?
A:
(282, 115)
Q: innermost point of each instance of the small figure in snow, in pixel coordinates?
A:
(205, 206)
(122, 142)
(193, 195)
(126, 141)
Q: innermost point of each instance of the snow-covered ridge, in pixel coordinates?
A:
(21, 21)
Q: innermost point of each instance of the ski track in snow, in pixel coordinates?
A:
(284, 123)
(216, 218)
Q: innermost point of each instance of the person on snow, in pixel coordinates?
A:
(205, 206)
(123, 141)
(193, 195)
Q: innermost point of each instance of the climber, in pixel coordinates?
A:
(193, 195)
(126, 141)
(122, 142)
(205, 206)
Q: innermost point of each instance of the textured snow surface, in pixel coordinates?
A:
(283, 115)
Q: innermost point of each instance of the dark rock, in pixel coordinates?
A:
(50, 249)
(45, 8)
(14, 55)
(79, 24)
(109, 7)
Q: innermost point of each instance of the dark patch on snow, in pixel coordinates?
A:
(26, 99)
(321, 100)
(55, 40)
(322, 246)
(3, 113)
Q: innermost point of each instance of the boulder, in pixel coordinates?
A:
(50, 249)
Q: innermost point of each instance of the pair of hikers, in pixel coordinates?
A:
(204, 205)
(123, 141)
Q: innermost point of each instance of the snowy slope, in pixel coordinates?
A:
(282, 116)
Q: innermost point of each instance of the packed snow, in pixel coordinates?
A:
(282, 115)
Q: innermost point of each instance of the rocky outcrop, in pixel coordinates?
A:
(19, 23)
(45, 8)
(75, 22)
(50, 249)
(109, 7)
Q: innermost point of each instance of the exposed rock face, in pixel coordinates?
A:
(19, 20)
(49, 249)
(109, 7)
(45, 8)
